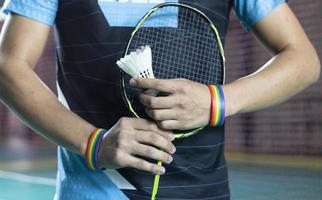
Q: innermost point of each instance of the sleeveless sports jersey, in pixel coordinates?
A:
(91, 36)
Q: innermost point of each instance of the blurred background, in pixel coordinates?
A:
(275, 154)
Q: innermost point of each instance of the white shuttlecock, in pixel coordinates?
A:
(138, 63)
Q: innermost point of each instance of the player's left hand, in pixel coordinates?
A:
(186, 106)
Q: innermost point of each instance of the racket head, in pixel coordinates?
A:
(185, 44)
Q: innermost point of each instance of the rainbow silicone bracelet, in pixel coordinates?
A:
(93, 145)
(217, 110)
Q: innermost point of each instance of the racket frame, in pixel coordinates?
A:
(140, 24)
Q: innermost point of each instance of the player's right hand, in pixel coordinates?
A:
(131, 140)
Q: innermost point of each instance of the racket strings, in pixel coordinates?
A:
(188, 50)
(187, 65)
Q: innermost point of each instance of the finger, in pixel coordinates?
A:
(145, 125)
(162, 114)
(170, 125)
(152, 153)
(155, 84)
(145, 166)
(157, 102)
(156, 140)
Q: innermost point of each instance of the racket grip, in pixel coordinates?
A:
(156, 183)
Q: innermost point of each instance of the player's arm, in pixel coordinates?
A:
(293, 67)
(21, 44)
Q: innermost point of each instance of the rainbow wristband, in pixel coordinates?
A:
(217, 110)
(93, 145)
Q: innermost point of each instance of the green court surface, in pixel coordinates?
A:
(35, 179)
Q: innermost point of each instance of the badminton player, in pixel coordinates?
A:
(90, 37)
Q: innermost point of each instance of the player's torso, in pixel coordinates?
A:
(91, 36)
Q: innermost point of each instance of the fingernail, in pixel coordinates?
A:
(161, 171)
(173, 150)
(170, 159)
(133, 82)
(171, 137)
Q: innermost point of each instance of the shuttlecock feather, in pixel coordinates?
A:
(138, 63)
